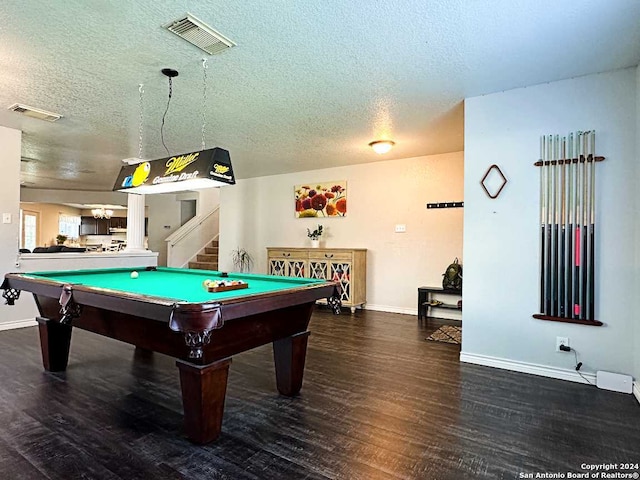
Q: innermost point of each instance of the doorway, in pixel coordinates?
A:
(29, 222)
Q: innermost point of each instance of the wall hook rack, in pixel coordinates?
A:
(446, 205)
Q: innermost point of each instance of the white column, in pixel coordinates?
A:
(135, 223)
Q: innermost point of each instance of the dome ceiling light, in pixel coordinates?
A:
(382, 146)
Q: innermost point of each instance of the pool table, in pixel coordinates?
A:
(169, 311)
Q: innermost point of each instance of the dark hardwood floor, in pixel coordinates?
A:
(378, 402)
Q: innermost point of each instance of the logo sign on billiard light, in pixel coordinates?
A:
(201, 169)
(177, 164)
(220, 171)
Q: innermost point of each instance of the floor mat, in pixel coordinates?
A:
(447, 334)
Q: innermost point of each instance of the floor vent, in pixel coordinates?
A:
(199, 34)
(35, 112)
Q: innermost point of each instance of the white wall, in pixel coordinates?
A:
(259, 212)
(72, 196)
(207, 200)
(501, 244)
(10, 150)
(164, 219)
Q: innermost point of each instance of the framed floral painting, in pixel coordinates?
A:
(327, 199)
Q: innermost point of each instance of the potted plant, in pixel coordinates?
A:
(60, 239)
(315, 236)
(242, 260)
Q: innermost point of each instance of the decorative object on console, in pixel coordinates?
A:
(60, 239)
(327, 199)
(315, 236)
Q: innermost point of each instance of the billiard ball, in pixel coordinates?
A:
(134, 274)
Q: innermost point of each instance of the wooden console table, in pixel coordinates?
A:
(346, 265)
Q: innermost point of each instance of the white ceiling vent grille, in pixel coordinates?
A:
(199, 34)
(35, 112)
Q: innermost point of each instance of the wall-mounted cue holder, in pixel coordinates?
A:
(567, 161)
(446, 205)
(568, 228)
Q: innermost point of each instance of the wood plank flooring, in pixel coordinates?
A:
(378, 402)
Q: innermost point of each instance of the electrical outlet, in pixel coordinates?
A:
(561, 341)
(401, 228)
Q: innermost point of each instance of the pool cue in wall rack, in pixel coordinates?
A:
(567, 228)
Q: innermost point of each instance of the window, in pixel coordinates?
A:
(69, 225)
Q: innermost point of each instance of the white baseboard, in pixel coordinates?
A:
(18, 324)
(390, 309)
(404, 311)
(636, 390)
(542, 370)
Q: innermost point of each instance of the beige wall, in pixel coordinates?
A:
(259, 212)
(49, 213)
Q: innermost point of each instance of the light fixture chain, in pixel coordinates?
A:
(204, 101)
(141, 123)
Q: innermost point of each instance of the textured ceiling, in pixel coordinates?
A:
(309, 85)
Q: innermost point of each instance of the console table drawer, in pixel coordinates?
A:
(288, 254)
(329, 255)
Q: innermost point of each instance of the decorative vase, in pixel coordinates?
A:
(315, 243)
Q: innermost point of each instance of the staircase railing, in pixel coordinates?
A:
(184, 244)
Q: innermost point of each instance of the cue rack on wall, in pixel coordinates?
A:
(568, 228)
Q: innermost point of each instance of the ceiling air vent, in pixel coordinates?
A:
(35, 112)
(200, 34)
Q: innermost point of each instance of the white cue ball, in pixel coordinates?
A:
(134, 274)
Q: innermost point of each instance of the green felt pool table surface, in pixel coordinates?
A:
(184, 285)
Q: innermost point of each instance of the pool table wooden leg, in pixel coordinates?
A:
(55, 339)
(203, 390)
(289, 355)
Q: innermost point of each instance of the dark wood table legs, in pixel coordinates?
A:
(204, 387)
(203, 391)
(289, 355)
(55, 339)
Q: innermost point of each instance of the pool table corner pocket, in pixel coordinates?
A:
(196, 321)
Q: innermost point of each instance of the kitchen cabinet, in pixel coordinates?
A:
(94, 226)
(118, 222)
(88, 225)
(103, 226)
